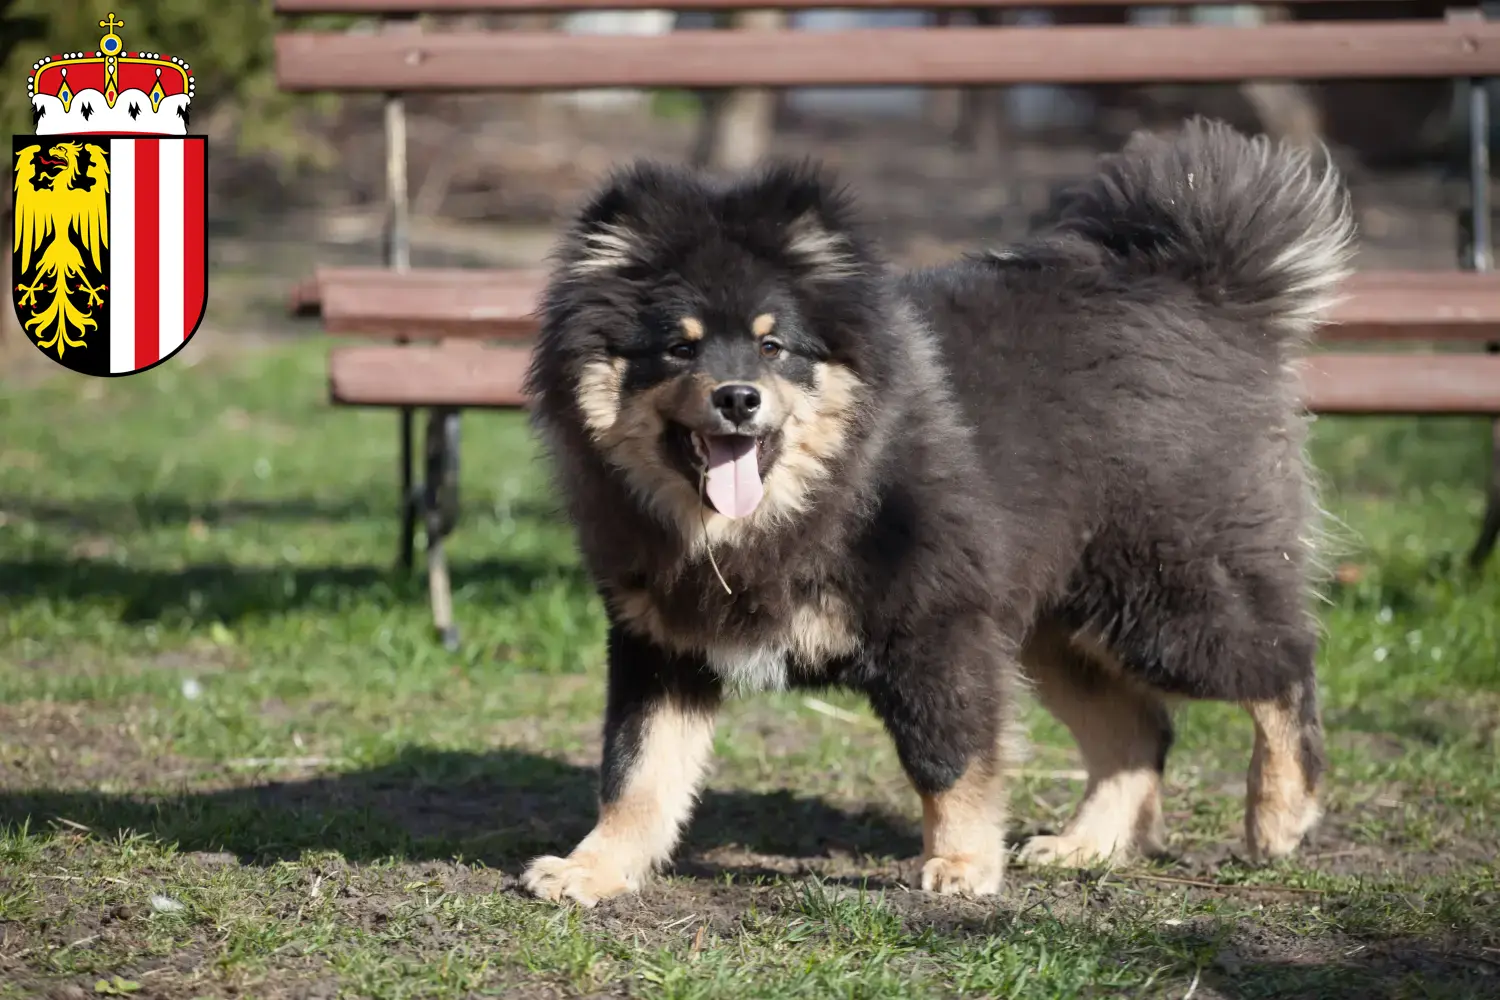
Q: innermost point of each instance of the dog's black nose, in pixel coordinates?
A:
(737, 403)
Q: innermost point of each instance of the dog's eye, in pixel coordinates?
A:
(686, 350)
(770, 349)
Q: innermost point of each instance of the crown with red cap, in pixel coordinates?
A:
(111, 90)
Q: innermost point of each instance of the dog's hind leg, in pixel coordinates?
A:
(1286, 771)
(1237, 633)
(1123, 731)
(658, 735)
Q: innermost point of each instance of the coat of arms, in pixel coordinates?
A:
(110, 256)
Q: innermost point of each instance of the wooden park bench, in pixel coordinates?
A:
(456, 339)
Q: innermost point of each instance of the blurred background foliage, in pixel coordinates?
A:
(227, 43)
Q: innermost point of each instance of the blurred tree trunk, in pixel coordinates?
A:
(737, 125)
(974, 117)
(1286, 109)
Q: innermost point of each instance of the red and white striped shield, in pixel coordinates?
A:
(110, 252)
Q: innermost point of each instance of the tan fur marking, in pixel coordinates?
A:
(1117, 727)
(825, 253)
(692, 328)
(1101, 829)
(813, 435)
(963, 831)
(640, 829)
(1280, 808)
(823, 631)
(763, 324)
(815, 633)
(632, 444)
(608, 247)
(638, 612)
(599, 394)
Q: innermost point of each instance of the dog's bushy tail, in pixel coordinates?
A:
(1249, 223)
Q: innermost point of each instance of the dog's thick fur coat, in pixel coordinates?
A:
(1076, 461)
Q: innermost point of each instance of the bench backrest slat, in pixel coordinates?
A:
(534, 61)
(1402, 305)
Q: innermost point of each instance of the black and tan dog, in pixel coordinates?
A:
(1074, 464)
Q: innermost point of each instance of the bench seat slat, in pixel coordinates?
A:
(430, 304)
(472, 376)
(539, 61)
(466, 375)
(1402, 384)
(1417, 306)
(500, 304)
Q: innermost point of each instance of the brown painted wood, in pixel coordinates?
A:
(1402, 384)
(430, 304)
(1418, 306)
(497, 304)
(449, 374)
(532, 61)
(563, 6)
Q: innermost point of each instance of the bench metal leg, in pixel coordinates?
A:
(1481, 258)
(397, 236)
(1489, 528)
(440, 514)
(406, 555)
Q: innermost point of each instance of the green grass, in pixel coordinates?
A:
(216, 692)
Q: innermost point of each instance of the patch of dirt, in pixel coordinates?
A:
(71, 745)
(749, 855)
(1262, 961)
(1250, 955)
(96, 767)
(199, 659)
(1255, 959)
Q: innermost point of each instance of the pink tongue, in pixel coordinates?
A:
(733, 474)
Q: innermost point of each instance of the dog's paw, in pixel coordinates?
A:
(965, 875)
(585, 879)
(1273, 833)
(1068, 849)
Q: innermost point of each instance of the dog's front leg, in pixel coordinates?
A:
(944, 695)
(658, 735)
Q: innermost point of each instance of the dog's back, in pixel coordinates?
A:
(1129, 373)
(1130, 377)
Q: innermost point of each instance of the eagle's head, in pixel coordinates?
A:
(56, 166)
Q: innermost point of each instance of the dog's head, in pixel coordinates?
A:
(708, 337)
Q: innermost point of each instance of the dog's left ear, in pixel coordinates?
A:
(813, 215)
(607, 234)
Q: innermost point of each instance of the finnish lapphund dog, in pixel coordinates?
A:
(1073, 465)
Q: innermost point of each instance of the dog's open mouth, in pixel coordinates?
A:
(730, 464)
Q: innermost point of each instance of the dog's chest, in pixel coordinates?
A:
(749, 668)
(753, 641)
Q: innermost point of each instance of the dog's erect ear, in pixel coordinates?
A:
(607, 234)
(602, 236)
(814, 214)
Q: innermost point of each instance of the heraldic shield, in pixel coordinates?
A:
(110, 256)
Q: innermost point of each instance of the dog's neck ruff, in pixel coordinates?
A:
(749, 670)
